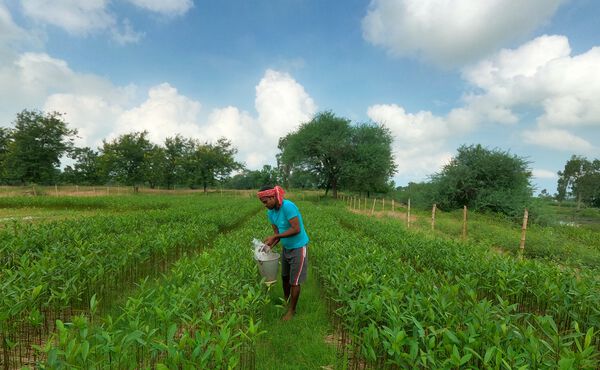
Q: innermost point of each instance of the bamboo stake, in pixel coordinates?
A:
(408, 215)
(433, 217)
(34, 192)
(523, 232)
(359, 204)
(373, 208)
(464, 230)
(392, 206)
(56, 189)
(383, 204)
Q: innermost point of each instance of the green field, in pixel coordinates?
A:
(168, 281)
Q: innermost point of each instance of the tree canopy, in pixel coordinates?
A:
(484, 179)
(338, 154)
(580, 178)
(31, 151)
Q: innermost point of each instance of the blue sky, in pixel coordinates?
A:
(519, 76)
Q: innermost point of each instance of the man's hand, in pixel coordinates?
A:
(271, 241)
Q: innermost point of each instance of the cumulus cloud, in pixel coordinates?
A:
(100, 110)
(419, 138)
(451, 32)
(165, 113)
(282, 104)
(557, 139)
(540, 74)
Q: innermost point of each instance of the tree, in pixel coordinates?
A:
(155, 165)
(581, 179)
(371, 163)
(175, 151)
(254, 179)
(209, 163)
(483, 179)
(335, 154)
(124, 159)
(5, 139)
(36, 144)
(85, 170)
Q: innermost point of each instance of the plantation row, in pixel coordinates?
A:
(403, 300)
(203, 314)
(51, 270)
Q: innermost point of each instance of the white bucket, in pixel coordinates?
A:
(269, 268)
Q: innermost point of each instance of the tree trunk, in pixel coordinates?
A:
(204, 185)
(334, 188)
(578, 201)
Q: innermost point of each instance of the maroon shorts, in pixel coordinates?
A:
(294, 263)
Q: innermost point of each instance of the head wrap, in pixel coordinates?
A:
(276, 192)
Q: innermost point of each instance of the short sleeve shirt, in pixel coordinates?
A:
(281, 218)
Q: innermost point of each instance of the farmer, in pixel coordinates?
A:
(288, 228)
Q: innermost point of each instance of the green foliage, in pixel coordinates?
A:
(31, 151)
(86, 169)
(338, 154)
(208, 163)
(124, 158)
(581, 179)
(484, 180)
(254, 179)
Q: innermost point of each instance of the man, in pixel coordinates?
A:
(288, 228)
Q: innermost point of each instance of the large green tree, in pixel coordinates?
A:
(580, 178)
(124, 159)
(175, 150)
(209, 163)
(35, 145)
(85, 170)
(338, 154)
(371, 163)
(484, 179)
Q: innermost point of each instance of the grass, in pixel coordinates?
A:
(299, 343)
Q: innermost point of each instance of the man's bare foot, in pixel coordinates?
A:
(288, 316)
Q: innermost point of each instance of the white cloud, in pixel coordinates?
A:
(282, 104)
(168, 8)
(419, 139)
(92, 115)
(81, 18)
(451, 32)
(558, 140)
(165, 113)
(544, 174)
(76, 17)
(540, 74)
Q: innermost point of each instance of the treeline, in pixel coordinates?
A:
(328, 152)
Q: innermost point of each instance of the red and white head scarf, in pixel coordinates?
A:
(276, 192)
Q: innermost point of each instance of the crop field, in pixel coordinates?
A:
(168, 282)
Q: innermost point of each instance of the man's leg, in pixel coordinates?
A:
(298, 267)
(295, 293)
(286, 287)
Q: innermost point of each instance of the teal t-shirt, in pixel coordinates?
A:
(280, 218)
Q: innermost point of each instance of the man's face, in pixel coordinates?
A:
(269, 202)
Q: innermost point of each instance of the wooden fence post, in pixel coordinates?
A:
(464, 231)
(373, 208)
(433, 217)
(392, 206)
(56, 189)
(358, 205)
(523, 232)
(408, 215)
(383, 204)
